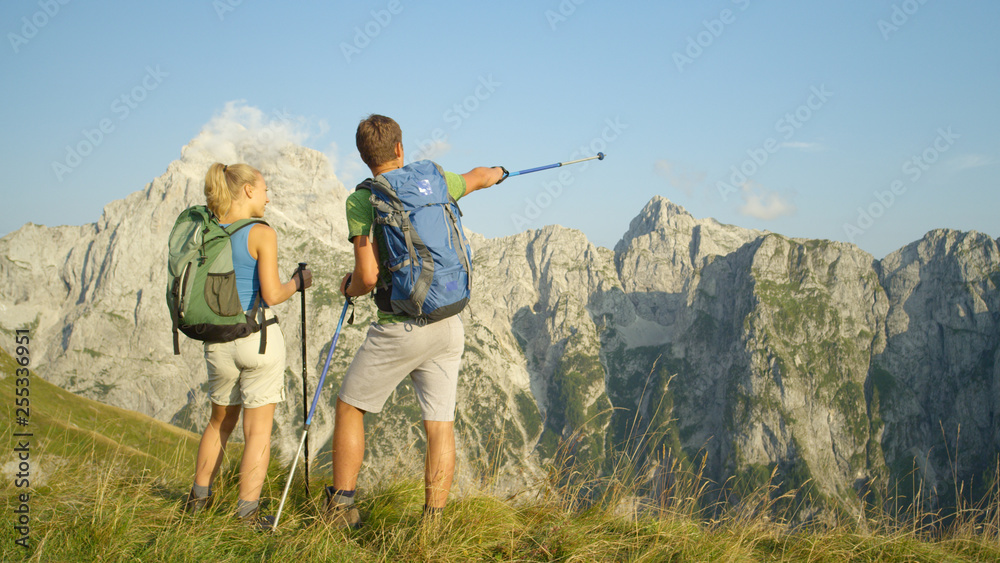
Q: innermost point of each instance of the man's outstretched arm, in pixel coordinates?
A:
(481, 177)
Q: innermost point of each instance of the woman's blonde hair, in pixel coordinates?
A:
(223, 184)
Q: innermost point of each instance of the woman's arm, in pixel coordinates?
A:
(263, 245)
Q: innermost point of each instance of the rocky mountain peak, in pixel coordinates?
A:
(659, 214)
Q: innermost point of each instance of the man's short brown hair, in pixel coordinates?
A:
(376, 138)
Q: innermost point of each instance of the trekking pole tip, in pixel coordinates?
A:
(600, 156)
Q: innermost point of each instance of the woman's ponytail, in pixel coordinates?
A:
(223, 185)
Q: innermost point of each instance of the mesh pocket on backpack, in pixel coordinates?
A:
(221, 294)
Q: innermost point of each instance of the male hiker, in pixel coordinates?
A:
(414, 343)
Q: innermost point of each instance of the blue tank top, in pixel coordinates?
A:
(247, 276)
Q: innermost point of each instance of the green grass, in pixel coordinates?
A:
(115, 483)
(63, 423)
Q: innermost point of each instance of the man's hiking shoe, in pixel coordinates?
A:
(432, 519)
(433, 514)
(340, 515)
(194, 505)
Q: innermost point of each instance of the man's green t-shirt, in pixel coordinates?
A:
(360, 218)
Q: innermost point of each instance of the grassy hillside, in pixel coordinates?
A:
(66, 427)
(108, 484)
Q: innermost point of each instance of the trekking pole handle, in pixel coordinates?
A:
(506, 173)
(302, 281)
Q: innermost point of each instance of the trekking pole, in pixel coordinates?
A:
(506, 174)
(312, 411)
(305, 382)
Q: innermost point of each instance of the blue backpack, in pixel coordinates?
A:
(429, 257)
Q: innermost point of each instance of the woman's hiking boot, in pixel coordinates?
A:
(253, 516)
(340, 514)
(194, 505)
(258, 522)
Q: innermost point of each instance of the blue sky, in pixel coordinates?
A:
(865, 121)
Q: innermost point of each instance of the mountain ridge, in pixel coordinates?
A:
(740, 349)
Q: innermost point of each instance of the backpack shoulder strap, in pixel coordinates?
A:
(378, 184)
(451, 199)
(231, 229)
(366, 184)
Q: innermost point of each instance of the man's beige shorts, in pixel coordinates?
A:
(239, 375)
(431, 355)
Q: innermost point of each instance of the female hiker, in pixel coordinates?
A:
(245, 375)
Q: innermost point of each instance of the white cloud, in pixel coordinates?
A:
(242, 133)
(764, 204)
(351, 169)
(969, 161)
(684, 180)
(663, 167)
(430, 150)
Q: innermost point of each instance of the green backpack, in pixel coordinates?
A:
(201, 284)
